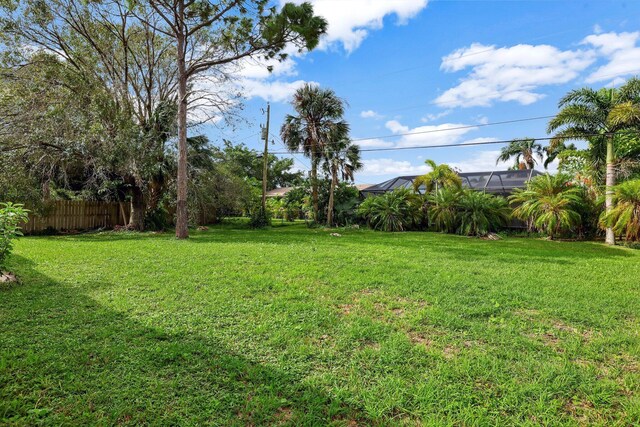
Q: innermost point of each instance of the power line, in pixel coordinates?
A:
(454, 128)
(462, 144)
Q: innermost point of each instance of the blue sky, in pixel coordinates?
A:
(415, 65)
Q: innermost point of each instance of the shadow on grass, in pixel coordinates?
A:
(66, 359)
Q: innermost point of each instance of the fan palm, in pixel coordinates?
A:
(597, 116)
(342, 157)
(624, 218)
(441, 176)
(319, 115)
(550, 203)
(524, 151)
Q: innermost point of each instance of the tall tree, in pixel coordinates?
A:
(440, 176)
(586, 114)
(319, 116)
(212, 34)
(341, 159)
(105, 49)
(524, 151)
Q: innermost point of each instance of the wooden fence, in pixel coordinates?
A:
(78, 215)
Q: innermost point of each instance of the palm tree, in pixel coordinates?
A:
(340, 156)
(624, 218)
(551, 203)
(525, 150)
(554, 150)
(441, 176)
(319, 115)
(597, 116)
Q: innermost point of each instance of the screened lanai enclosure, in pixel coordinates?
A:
(498, 182)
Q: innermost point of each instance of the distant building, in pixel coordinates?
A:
(281, 192)
(498, 182)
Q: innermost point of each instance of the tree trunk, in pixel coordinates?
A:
(332, 190)
(182, 231)
(610, 182)
(136, 217)
(314, 184)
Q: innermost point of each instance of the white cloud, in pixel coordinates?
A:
(374, 143)
(370, 114)
(622, 53)
(433, 117)
(350, 21)
(387, 166)
(446, 133)
(481, 162)
(483, 120)
(275, 91)
(509, 73)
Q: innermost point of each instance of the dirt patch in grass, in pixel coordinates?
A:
(450, 351)
(284, 416)
(578, 410)
(345, 309)
(554, 329)
(420, 338)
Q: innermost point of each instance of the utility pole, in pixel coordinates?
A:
(265, 159)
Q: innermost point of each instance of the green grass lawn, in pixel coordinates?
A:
(291, 326)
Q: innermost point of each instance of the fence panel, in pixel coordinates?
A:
(77, 215)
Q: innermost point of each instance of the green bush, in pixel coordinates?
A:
(481, 213)
(443, 209)
(467, 212)
(11, 216)
(624, 218)
(397, 210)
(550, 204)
(260, 218)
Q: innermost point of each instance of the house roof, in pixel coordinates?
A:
(491, 181)
(279, 192)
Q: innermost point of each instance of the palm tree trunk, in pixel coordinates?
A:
(610, 182)
(314, 183)
(332, 190)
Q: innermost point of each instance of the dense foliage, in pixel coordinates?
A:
(480, 213)
(11, 217)
(550, 204)
(624, 218)
(397, 210)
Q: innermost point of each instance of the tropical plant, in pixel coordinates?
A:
(11, 217)
(599, 117)
(443, 209)
(341, 157)
(319, 117)
(481, 213)
(397, 210)
(524, 151)
(550, 203)
(440, 176)
(624, 218)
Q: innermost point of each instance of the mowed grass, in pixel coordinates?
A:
(291, 326)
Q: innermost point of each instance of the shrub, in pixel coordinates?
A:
(624, 218)
(467, 212)
(443, 209)
(550, 203)
(11, 216)
(481, 213)
(398, 210)
(260, 218)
